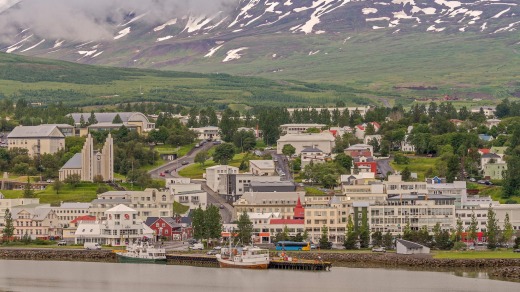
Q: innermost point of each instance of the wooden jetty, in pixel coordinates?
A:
(275, 263)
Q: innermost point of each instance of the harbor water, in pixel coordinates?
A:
(86, 276)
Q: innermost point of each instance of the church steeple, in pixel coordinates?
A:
(299, 211)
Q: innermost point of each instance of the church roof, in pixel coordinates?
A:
(74, 163)
(121, 208)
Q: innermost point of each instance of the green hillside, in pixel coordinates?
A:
(48, 81)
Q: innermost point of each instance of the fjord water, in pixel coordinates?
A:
(107, 277)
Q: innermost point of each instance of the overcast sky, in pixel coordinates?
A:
(86, 20)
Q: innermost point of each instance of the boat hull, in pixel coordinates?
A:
(126, 259)
(240, 265)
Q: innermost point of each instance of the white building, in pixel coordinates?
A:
(299, 128)
(362, 110)
(67, 212)
(369, 138)
(408, 247)
(130, 119)
(323, 141)
(457, 190)
(37, 139)
(313, 155)
(12, 203)
(213, 174)
(396, 186)
(262, 167)
(193, 199)
(268, 202)
(207, 133)
(333, 215)
(121, 226)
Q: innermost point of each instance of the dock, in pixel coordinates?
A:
(275, 263)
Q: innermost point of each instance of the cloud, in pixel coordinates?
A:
(87, 20)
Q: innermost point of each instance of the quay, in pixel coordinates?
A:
(275, 263)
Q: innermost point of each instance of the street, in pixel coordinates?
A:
(227, 212)
(383, 166)
(282, 166)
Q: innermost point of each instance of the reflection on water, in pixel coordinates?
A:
(82, 277)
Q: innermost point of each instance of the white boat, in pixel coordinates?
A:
(142, 252)
(245, 258)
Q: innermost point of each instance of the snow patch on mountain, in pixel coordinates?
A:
(34, 46)
(501, 13)
(196, 23)
(58, 43)
(243, 12)
(369, 10)
(234, 54)
(133, 19)
(18, 45)
(168, 23)
(122, 33)
(164, 38)
(212, 51)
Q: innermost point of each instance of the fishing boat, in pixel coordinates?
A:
(250, 257)
(142, 252)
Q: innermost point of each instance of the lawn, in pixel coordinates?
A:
(419, 165)
(477, 254)
(84, 192)
(196, 170)
(313, 191)
(181, 151)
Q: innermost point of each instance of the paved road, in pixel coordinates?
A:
(282, 163)
(227, 213)
(383, 166)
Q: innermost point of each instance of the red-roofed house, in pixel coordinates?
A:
(484, 151)
(80, 219)
(360, 129)
(170, 228)
(367, 166)
(69, 232)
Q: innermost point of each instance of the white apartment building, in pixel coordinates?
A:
(37, 139)
(299, 128)
(120, 226)
(194, 199)
(207, 133)
(147, 203)
(396, 186)
(323, 141)
(457, 190)
(362, 110)
(372, 193)
(67, 212)
(213, 174)
(269, 202)
(417, 210)
(262, 167)
(13, 203)
(36, 222)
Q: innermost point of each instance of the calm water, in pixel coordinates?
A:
(79, 277)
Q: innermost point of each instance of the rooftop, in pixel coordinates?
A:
(74, 162)
(41, 131)
(409, 244)
(262, 164)
(324, 136)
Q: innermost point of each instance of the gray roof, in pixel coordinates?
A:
(334, 200)
(41, 131)
(113, 201)
(104, 117)
(74, 162)
(409, 244)
(70, 205)
(262, 163)
(271, 184)
(434, 197)
(490, 155)
(311, 149)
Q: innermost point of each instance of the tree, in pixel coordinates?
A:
(28, 192)
(344, 161)
(492, 230)
(377, 238)
(212, 222)
(508, 232)
(73, 180)
(57, 185)
(388, 240)
(459, 230)
(117, 120)
(324, 239)
(201, 157)
(244, 229)
(351, 235)
(224, 153)
(92, 119)
(244, 140)
(98, 178)
(472, 229)
(282, 236)
(288, 150)
(197, 222)
(102, 189)
(443, 241)
(406, 174)
(364, 231)
(8, 230)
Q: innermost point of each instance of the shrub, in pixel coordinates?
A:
(459, 245)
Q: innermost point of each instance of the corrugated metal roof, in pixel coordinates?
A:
(103, 117)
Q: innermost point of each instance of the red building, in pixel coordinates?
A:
(369, 164)
(480, 237)
(170, 228)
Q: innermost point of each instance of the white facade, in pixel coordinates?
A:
(408, 247)
(193, 199)
(323, 141)
(299, 128)
(268, 202)
(67, 212)
(121, 226)
(262, 167)
(333, 215)
(207, 133)
(213, 175)
(12, 203)
(37, 139)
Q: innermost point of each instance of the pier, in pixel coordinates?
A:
(275, 263)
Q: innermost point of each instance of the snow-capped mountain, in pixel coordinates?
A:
(141, 39)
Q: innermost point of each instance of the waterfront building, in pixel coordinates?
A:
(68, 212)
(35, 222)
(333, 216)
(120, 226)
(171, 228)
(268, 202)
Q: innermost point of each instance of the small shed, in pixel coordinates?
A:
(408, 247)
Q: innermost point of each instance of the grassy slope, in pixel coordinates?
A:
(196, 170)
(85, 192)
(420, 165)
(477, 254)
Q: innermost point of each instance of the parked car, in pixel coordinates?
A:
(378, 249)
(482, 182)
(516, 250)
(197, 145)
(62, 243)
(472, 179)
(217, 248)
(275, 159)
(221, 206)
(313, 246)
(185, 162)
(167, 171)
(192, 241)
(212, 252)
(488, 183)
(162, 174)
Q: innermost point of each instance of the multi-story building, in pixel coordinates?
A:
(396, 186)
(372, 192)
(456, 190)
(194, 199)
(13, 203)
(362, 110)
(213, 175)
(67, 212)
(130, 119)
(36, 222)
(323, 141)
(312, 155)
(418, 210)
(333, 215)
(269, 202)
(120, 225)
(207, 133)
(299, 128)
(147, 203)
(37, 140)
